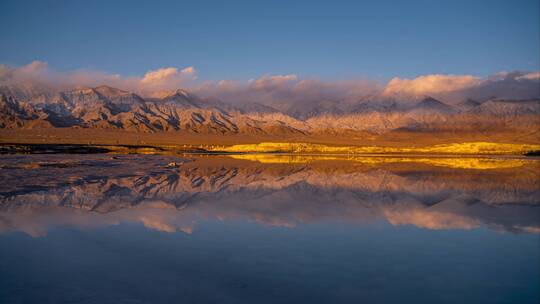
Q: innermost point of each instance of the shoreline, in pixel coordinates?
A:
(46, 148)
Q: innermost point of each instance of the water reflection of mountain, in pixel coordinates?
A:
(40, 192)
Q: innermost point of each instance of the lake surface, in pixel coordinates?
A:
(268, 229)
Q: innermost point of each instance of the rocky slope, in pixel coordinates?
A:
(110, 108)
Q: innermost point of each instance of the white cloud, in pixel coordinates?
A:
(430, 85)
(453, 88)
(282, 91)
(165, 79)
(38, 75)
(188, 71)
(159, 75)
(530, 76)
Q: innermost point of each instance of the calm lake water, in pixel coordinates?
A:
(268, 229)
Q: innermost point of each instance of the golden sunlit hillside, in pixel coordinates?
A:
(456, 148)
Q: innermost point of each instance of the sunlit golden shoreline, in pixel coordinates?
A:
(441, 150)
(453, 148)
(465, 149)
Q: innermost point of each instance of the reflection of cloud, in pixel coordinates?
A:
(530, 229)
(155, 224)
(36, 222)
(289, 211)
(285, 195)
(425, 218)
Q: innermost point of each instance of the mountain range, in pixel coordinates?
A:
(106, 107)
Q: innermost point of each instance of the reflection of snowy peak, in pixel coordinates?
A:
(279, 193)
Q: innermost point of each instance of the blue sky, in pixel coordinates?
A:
(246, 39)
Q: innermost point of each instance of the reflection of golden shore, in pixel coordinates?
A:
(450, 162)
(427, 192)
(455, 148)
(284, 159)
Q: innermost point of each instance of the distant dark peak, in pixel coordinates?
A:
(491, 98)
(432, 103)
(106, 87)
(82, 90)
(376, 106)
(470, 103)
(109, 91)
(428, 101)
(495, 100)
(255, 107)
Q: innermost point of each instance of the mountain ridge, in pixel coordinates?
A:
(106, 107)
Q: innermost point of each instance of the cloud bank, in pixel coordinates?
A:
(282, 91)
(38, 75)
(430, 84)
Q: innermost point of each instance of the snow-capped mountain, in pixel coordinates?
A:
(106, 107)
